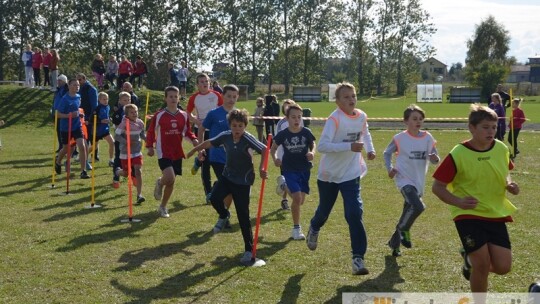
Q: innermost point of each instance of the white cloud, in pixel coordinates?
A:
(456, 20)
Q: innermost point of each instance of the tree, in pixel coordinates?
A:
(412, 28)
(360, 25)
(487, 54)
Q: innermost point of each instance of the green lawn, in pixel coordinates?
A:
(56, 251)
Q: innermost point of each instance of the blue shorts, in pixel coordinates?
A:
(297, 181)
(183, 85)
(176, 164)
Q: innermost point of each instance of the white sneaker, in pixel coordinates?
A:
(358, 267)
(158, 189)
(163, 212)
(280, 189)
(297, 234)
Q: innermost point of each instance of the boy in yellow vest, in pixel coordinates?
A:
(473, 180)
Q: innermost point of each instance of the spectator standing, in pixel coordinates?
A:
(183, 74)
(27, 62)
(53, 66)
(98, 69)
(46, 62)
(174, 78)
(37, 61)
(140, 70)
(111, 72)
(125, 68)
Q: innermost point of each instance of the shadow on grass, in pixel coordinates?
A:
(134, 259)
(178, 286)
(30, 185)
(292, 289)
(60, 192)
(126, 230)
(18, 113)
(384, 282)
(28, 163)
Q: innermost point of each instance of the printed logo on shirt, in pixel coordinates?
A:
(353, 137)
(484, 158)
(418, 155)
(296, 145)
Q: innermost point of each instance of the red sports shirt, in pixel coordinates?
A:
(167, 131)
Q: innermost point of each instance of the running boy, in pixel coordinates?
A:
(136, 133)
(414, 150)
(102, 128)
(473, 180)
(344, 135)
(238, 175)
(298, 144)
(216, 122)
(167, 129)
(69, 109)
(123, 99)
(283, 124)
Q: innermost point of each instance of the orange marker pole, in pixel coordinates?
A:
(55, 139)
(130, 181)
(261, 196)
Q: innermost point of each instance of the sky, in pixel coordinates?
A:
(456, 20)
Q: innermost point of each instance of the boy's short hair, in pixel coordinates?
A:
(286, 103)
(171, 89)
(102, 94)
(479, 113)
(240, 115)
(130, 106)
(124, 94)
(344, 85)
(294, 106)
(230, 87)
(413, 108)
(202, 75)
(72, 80)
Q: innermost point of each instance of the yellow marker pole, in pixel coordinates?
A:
(146, 110)
(512, 124)
(54, 146)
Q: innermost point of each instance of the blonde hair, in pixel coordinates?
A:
(344, 85)
(122, 94)
(101, 94)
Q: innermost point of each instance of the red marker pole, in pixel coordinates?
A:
(261, 196)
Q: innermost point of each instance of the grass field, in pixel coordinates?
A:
(56, 251)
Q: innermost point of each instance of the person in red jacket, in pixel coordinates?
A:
(37, 61)
(140, 71)
(46, 62)
(125, 68)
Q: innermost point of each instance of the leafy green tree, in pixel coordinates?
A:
(486, 53)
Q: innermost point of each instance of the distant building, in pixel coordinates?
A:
(433, 69)
(519, 73)
(534, 63)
